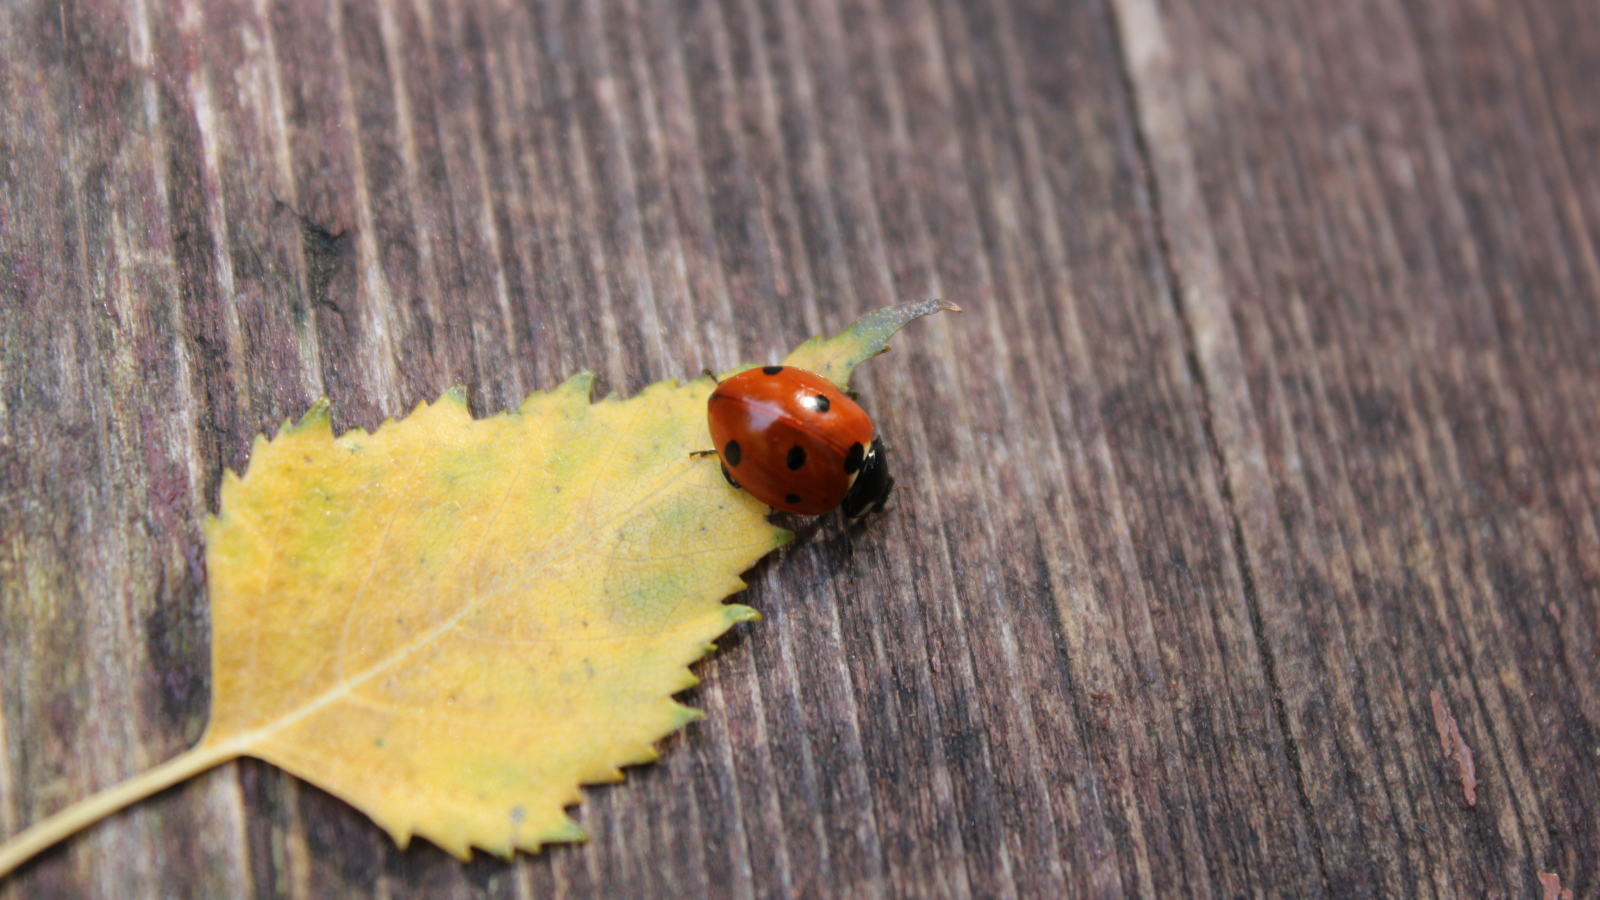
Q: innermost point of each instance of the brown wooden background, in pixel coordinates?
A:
(1276, 407)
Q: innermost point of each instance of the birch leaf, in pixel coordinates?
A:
(453, 624)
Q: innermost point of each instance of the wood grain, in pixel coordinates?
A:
(1274, 413)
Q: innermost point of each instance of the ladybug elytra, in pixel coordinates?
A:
(797, 443)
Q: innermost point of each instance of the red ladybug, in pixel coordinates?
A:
(797, 443)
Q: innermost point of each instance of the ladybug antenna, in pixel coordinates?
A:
(711, 375)
(895, 486)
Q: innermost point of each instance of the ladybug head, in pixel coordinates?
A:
(872, 486)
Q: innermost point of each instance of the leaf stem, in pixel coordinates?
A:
(95, 807)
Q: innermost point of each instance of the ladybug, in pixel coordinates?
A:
(797, 443)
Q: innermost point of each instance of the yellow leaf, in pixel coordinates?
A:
(452, 624)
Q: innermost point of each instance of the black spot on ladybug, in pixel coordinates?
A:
(791, 498)
(729, 477)
(732, 454)
(820, 403)
(796, 457)
(852, 461)
(771, 370)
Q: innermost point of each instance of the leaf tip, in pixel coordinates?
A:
(231, 485)
(836, 358)
(740, 613)
(581, 383)
(401, 835)
(565, 831)
(455, 394)
(505, 851)
(606, 774)
(317, 418)
(575, 390)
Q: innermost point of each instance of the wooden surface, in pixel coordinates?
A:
(1275, 411)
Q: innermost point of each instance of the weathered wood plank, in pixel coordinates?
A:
(1384, 263)
(1274, 409)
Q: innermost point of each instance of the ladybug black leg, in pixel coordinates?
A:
(852, 566)
(888, 492)
(729, 477)
(711, 375)
(700, 453)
